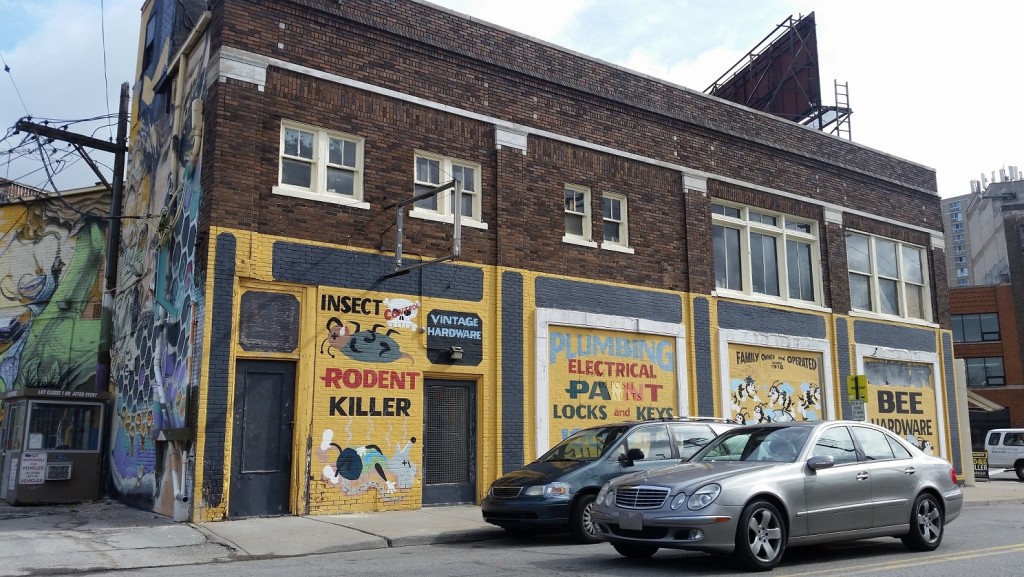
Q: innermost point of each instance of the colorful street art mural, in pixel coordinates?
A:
(596, 376)
(774, 385)
(51, 255)
(901, 398)
(368, 403)
(158, 308)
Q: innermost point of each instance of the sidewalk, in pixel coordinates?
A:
(108, 535)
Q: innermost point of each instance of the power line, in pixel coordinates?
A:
(7, 69)
(106, 81)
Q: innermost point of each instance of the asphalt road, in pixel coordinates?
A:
(985, 540)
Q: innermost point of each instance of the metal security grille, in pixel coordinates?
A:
(447, 452)
(640, 497)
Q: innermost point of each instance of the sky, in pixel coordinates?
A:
(938, 83)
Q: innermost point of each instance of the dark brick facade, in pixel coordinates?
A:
(407, 47)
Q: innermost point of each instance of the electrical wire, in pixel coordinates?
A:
(7, 69)
(106, 81)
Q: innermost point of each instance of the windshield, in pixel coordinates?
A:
(585, 445)
(756, 444)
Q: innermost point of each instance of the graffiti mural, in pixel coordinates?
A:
(51, 254)
(773, 385)
(368, 401)
(159, 305)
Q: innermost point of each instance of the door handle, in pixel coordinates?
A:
(862, 476)
(909, 471)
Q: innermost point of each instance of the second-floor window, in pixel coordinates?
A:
(985, 372)
(975, 328)
(887, 277)
(577, 215)
(320, 164)
(763, 253)
(615, 229)
(430, 171)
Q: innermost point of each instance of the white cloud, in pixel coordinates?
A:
(543, 19)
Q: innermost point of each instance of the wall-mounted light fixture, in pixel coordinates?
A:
(455, 353)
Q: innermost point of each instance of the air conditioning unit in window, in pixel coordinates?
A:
(58, 471)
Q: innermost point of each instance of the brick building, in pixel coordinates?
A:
(629, 248)
(984, 229)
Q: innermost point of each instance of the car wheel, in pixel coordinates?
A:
(760, 537)
(1019, 469)
(926, 523)
(635, 550)
(581, 522)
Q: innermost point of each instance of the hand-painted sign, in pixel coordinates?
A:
(596, 376)
(446, 329)
(769, 384)
(901, 398)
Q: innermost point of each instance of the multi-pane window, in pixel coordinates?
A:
(958, 226)
(956, 217)
(577, 214)
(955, 205)
(975, 328)
(961, 260)
(961, 272)
(430, 171)
(615, 229)
(887, 277)
(985, 372)
(963, 282)
(958, 237)
(320, 164)
(764, 253)
(959, 249)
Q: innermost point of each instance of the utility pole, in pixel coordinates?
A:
(119, 149)
(113, 246)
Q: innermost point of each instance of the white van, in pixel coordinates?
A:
(1006, 450)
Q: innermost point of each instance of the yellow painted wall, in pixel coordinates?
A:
(361, 369)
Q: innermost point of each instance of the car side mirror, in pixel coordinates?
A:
(630, 456)
(821, 462)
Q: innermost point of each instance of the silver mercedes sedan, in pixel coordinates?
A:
(755, 490)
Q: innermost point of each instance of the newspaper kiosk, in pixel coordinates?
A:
(51, 445)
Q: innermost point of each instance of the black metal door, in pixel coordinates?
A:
(261, 451)
(449, 443)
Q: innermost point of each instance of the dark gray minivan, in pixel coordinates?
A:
(558, 489)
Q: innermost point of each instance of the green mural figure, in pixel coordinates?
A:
(60, 349)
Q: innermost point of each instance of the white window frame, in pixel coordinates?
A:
(958, 226)
(901, 282)
(446, 203)
(963, 282)
(782, 234)
(955, 205)
(586, 239)
(956, 217)
(317, 189)
(623, 244)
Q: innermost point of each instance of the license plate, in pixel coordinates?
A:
(631, 520)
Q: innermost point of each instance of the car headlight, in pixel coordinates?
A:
(704, 496)
(678, 501)
(549, 490)
(606, 496)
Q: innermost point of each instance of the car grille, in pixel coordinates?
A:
(506, 492)
(640, 497)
